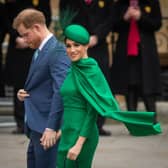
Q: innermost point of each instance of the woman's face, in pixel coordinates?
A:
(75, 50)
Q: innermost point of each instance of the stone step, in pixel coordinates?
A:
(6, 106)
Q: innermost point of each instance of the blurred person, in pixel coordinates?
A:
(19, 56)
(136, 69)
(3, 32)
(41, 96)
(95, 16)
(83, 99)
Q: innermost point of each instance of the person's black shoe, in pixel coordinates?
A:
(18, 131)
(103, 132)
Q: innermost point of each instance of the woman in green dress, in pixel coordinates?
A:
(85, 94)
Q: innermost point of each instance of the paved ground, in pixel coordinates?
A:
(118, 151)
(124, 151)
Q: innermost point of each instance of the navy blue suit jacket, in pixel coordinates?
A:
(44, 108)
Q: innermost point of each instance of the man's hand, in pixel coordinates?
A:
(93, 41)
(21, 43)
(49, 138)
(22, 94)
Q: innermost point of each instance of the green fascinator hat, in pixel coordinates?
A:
(77, 33)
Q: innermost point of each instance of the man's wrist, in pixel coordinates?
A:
(49, 129)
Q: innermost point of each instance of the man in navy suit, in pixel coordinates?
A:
(41, 96)
(18, 59)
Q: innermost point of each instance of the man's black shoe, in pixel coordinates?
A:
(103, 132)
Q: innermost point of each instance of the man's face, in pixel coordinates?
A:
(30, 36)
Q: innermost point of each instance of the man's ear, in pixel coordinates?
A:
(36, 27)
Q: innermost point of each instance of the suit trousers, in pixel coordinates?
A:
(37, 157)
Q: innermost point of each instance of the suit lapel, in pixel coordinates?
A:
(42, 54)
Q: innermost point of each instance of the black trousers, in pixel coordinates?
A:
(2, 82)
(18, 110)
(132, 100)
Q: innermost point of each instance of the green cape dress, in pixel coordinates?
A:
(85, 94)
(94, 87)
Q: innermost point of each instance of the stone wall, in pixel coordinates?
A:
(164, 7)
(162, 35)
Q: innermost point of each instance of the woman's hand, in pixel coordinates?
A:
(136, 13)
(132, 12)
(76, 149)
(74, 152)
(127, 15)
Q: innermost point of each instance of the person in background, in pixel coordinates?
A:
(83, 99)
(41, 96)
(95, 16)
(19, 56)
(135, 70)
(3, 32)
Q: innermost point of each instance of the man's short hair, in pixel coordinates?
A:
(29, 17)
